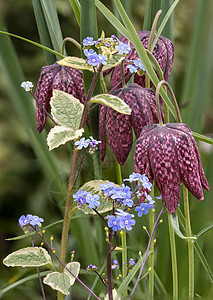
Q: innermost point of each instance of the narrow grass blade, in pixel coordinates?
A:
(152, 7)
(43, 31)
(76, 6)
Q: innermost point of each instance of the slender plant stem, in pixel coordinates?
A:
(147, 251)
(69, 39)
(109, 266)
(174, 260)
(190, 243)
(66, 223)
(151, 257)
(39, 276)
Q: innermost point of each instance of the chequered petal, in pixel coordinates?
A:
(102, 138)
(188, 163)
(185, 129)
(164, 164)
(119, 134)
(141, 155)
(43, 93)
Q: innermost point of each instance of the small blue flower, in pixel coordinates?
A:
(36, 221)
(115, 264)
(126, 222)
(133, 177)
(103, 59)
(132, 262)
(149, 198)
(88, 41)
(93, 144)
(80, 196)
(82, 143)
(159, 197)
(132, 68)
(27, 85)
(92, 267)
(93, 59)
(143, 209)
(114, 223)
(23, 221)
(123, 48)
(145, 182)
(88, 52)
(138, 63)
(128, 202)
(92, 200)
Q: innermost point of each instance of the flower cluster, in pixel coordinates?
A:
(121, 221)
(108, 46)
(83, 197)
(84, 143)
(29, 221)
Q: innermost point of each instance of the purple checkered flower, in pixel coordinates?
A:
(119, 126)
(169, 154)
(58, 77)
(163, 52)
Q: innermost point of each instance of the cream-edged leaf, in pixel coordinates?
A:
(76, 63)
(59, 135)
(112, 101)
(58, 281)
(66, 109)
(74, 267)
(28, 257)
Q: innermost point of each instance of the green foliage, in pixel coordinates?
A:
(29, 257)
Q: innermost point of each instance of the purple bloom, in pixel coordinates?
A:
(93, 59)
(23, 221)
(123, 48)
(88, 41)
(126, 222)
(169, 154)
(119, 126)
(92, 267)
(115, 264)
(58, 77)
(92, 200)
(143, 209)
(163, 52)
(82, 143)
(80, 197)
(114, 223)
(132, 262)
(36, 221)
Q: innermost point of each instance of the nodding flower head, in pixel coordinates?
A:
(169, 154)
(58, 77)
(163, 52)
(119, 126)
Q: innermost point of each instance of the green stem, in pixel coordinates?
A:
(69, 39)
(190, 243)
(151, 257)
(174, 260)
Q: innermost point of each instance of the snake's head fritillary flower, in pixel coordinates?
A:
(169, 154)
(58, 77)
(119, 126)
(163, 52)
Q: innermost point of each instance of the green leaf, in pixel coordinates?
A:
(58, 281)
(76, 63)
(74, 267)
(63, 281)
(204, 230)
(114, 61)
(29, 257)
(112, 101)
(76, 9)
(66, 109)
(93, 187)
(59, 135)
(175, 224)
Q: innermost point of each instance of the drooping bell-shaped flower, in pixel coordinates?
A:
(163, 52)
(169, 154)
(119, 126)
(59, 77)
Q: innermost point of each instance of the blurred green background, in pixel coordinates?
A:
(29, 185)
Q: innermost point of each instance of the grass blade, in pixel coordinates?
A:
(76, 9)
